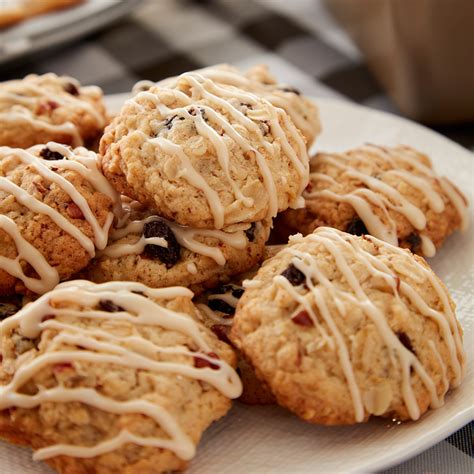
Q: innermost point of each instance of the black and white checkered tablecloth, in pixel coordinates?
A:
(295, 37)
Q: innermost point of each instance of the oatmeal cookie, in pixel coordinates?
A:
(56, 209)
(39, 109)
(112, 378)
(217, 308)
(160, 253)
(342, 327)
(390, 193)
(205, 154)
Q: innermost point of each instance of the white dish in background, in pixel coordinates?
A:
(272, 440)
(50, 29)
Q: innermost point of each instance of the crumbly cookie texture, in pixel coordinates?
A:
(391, 193)
(205, 154)
(112, 378)
(217, 309)
(39, 109)
(342, 327)
(160, 253)
(55, 210)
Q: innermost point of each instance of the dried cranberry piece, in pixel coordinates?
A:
(50, 155)
(72, 89)
(293, 275)
(74, 211)
(222, 332)
(415, 241)
(46, 107)
(356, 227)
(51, 105)
(222, 306)
(201, 363)
(303, 319)
(405, 340)
(168, 255)
(250, 232)
(109, 306)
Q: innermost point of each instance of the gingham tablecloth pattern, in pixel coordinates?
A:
(295, 37)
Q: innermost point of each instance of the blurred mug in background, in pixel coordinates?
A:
(421, 51)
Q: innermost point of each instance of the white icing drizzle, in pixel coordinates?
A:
(26, 118)
(427, 246)
(378, 194)
(81, 161)
(48, 276)
(101, 347)
(228, 298)
(19, 99)
(186, 237)
(213, 316)
(224, 74)
(252, 284)
(322, 290)
(221, 97)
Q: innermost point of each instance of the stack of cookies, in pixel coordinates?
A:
(209, 162)
(392, 193)
(151, 286)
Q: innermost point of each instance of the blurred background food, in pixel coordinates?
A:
(15, 11)
(421, 52)
(410, 57)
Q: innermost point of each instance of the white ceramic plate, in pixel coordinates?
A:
(271, 440)
(57, 27)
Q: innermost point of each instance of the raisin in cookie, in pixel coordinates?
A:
(205, 154)
(343, 327)
(159, 253)
(56, 209)
(112, 378)
(217, 308)
(258, 80)
(38, 109)
(390, 193)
